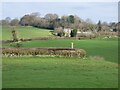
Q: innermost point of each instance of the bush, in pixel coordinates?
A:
(61, 34)
(73, 33)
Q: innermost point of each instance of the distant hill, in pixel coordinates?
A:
(25, 32)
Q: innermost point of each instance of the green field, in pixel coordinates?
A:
(99, 69)
(108, 49)
(36, 72)
(24, 32)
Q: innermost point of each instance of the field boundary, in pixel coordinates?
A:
(66, 52)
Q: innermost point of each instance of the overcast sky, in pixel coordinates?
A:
(104, 11)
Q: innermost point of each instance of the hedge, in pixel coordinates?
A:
(66, 52)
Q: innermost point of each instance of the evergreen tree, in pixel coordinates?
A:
(99, 26)
(73, 33)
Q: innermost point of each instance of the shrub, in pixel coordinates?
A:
(73, 33)
(61, 34)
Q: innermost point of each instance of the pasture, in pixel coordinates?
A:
(24, 32)
(108, 49)
(49, 72)
(99, 69)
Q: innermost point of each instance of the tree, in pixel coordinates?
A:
(4, 23)
(52, 19)
(8, 19)
(105, 27)
(14, 36)
(57, 23)
(59, 31)
(71, 19)
(84, 26)
(76, 23)
(27, 20)
(99, 26)
(73, 33)
(35, 14)
(65, 22)
(115, 26)
(14, 22)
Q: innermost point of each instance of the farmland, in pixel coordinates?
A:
(103, 48)
(25, 32)
(48, 72)
(93, 71)
(59, 45)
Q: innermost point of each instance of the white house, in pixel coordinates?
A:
(67, 32)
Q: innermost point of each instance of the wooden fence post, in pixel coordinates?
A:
(72, 45)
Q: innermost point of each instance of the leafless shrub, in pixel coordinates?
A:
(107, 34)
(67, 52)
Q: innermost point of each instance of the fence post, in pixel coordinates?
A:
(72, 45)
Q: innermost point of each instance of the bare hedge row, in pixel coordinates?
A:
(108, 33)
(42, 38)
(11, 41)
(67, 52)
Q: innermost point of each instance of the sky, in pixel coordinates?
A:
(104, 11)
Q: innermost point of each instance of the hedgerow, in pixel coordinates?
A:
(66, 52)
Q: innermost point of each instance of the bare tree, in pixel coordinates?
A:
(8, 19)
(14, 22)
(26, 20)
(35, 14)
(51, 17)
(105, 27)
(14, 35)
(99, 27)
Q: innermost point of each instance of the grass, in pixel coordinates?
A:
(108, 49)
(99, 70)
(24, 32)
(48, 72)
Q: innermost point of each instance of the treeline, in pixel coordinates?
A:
(52, 21)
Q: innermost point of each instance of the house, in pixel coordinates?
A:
(67, 31)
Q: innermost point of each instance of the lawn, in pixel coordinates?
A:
(108, 49)
(48, 72)
(24, 32)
